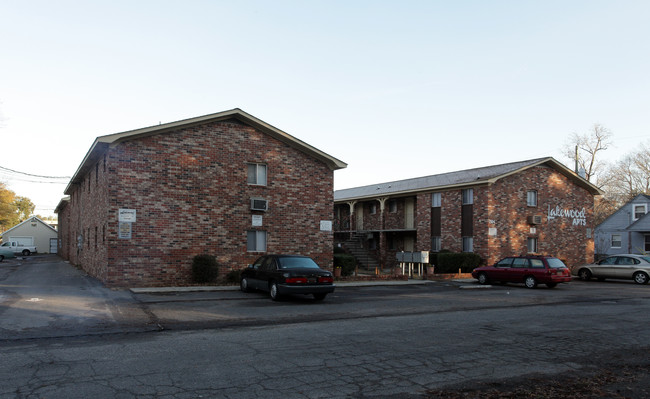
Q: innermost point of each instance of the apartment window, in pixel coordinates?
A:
(436, 200)
(256, 241)
(531, 244)
(639, 211)
(392, 206)
(468, 244)
(468, 196)
(257, 174)
(436, 244)
(531, 198)
(616, 241)
(373, 208)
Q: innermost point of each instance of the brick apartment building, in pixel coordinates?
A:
(534, 206)
(143, 203)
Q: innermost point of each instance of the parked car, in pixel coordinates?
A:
(6, 253)
(625, 266)
(530, 270)
(287, 274)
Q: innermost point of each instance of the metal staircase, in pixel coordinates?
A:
(354, 245)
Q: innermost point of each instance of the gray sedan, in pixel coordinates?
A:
(627, 267)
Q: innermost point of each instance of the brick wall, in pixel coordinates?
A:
(190, 193)
(564, 237)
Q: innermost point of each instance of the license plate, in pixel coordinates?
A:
(312, 280)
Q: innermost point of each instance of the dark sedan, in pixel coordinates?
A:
(281, 275)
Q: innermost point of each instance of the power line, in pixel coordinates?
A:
(39, 176)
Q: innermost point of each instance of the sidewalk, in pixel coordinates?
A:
(340, 284)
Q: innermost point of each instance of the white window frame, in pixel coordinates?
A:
(256, 240)
(468, 244)
(436, 200)
(468, 196)
(531, 198)
(634, 206)
(259, 175)
(531, 245)
(619, 240)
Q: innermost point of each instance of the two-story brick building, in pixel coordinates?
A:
(144, 202)
(533, 206)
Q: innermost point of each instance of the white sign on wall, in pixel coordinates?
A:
(126, 215)
(578, 216)
(325, 225)
(257, 220)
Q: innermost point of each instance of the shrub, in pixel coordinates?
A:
(338, 250)
(233, 276)
(204, 268)
(346, 262)
(449, 262)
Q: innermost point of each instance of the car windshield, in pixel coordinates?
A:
(555, 263)
(292, 262)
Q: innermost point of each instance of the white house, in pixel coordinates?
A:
(34, 231)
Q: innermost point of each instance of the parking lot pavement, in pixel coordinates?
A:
(43, 296)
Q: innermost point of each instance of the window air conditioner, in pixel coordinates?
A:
(259, 204)
(535, 219)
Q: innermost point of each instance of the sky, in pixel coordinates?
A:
(396, 89)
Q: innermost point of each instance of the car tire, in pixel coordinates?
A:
(274, 292)
(482, 278)
(243, 285)
(640, 278)
(530, 282)
(584, 274)
(319, 297)
(551, 285)
(2, 257)
(26, 252)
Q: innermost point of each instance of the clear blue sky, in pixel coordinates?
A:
(395, 89)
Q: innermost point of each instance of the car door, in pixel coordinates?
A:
(624, 268)
(604, 268)
(252, 273)
(518, 270)
(266, 272)
(501, 270)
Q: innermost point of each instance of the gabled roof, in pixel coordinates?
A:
(29, 220)
(102, 143)
(459, 179)
(645, 198)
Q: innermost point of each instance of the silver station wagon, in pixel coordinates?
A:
(627, 267)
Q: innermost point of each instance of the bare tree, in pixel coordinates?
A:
(584, 150)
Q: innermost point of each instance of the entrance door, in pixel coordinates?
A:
(359, 212)
(409, 209)
(53, 245)
(409, 244)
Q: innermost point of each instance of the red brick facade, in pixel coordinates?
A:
(189, 189)
(500, 218)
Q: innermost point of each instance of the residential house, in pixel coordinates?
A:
(626, 231)
(144, 202)
(36, 232)
(535, 206)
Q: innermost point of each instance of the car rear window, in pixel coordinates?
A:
(555, 263)
(297, 262)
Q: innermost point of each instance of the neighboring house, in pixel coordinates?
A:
(534, 206)
(143, 203)
(33, 231)
(626, 231)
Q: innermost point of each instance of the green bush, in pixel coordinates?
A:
(346, 262)
(204, 268)
(233, 276)
(449, 262)
(338, 250)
